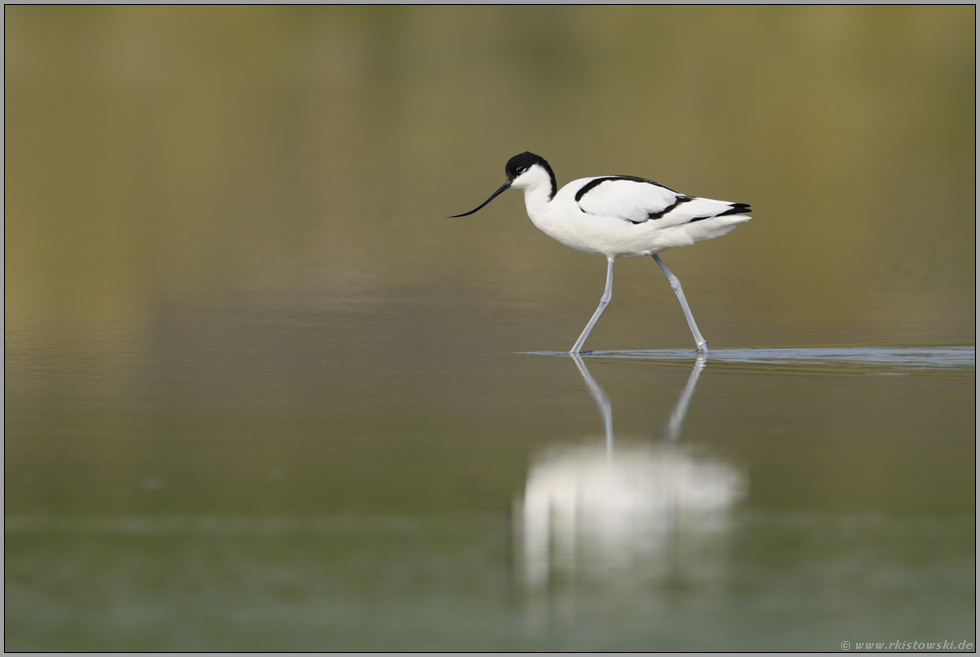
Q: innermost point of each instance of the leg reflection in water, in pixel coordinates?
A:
(622, 514)
(673, 428)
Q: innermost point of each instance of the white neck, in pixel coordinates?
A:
(536, 183)
(537, 199)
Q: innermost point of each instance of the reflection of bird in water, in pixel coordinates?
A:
(617, 217)
(673, 428)
(621, 508)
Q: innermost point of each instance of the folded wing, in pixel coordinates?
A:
(638, 200)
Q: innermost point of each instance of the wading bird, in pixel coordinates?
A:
(618, 217)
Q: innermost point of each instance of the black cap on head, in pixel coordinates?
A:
(521, 163)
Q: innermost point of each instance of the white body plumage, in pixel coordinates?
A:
(613, 218)
(617, 217)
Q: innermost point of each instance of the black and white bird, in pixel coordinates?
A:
(618, 217)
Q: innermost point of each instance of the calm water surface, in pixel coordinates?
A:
(259, 394)
(293, 488)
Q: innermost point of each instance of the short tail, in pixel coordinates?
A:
(714, 218)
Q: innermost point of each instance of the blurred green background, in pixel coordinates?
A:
(158, 151)
(261, 394)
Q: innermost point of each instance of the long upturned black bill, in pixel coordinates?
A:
(503, 188)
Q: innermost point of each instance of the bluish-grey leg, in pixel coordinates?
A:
(606, 297)
(675, 285)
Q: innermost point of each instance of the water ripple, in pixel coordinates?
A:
(871, 360)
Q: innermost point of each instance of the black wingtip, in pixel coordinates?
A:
(737, 208)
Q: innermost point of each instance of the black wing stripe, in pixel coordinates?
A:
(588, 186)
(658, 215)
(592, 184)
